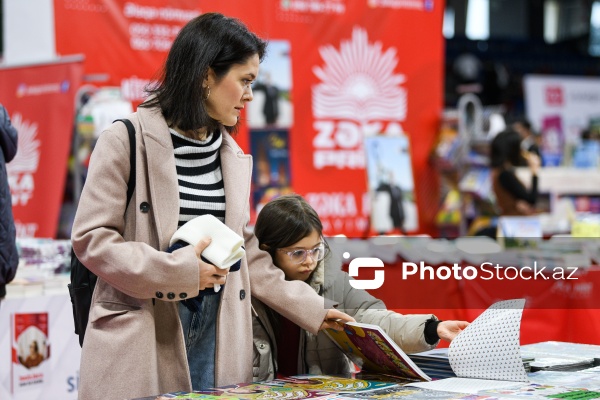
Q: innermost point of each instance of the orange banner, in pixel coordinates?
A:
(40, 101)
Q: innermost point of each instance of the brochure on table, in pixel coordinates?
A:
(487, 354)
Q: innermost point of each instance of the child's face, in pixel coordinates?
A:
(294, 270)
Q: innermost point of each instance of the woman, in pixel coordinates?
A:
(512, 198)
(188, 165)
(290, 230)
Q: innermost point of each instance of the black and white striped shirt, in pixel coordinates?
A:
(201, 189)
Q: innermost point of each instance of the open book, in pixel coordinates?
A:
(369, 347)
(485, 355)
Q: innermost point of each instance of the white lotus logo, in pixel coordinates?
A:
(28, 153)
(22, 168)
(358, 82)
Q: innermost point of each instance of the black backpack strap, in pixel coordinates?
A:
(131, 181)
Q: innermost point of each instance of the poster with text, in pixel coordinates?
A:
(30, 351)
(335, 71)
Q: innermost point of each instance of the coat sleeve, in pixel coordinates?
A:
(408, 331)
(295, 300)
(8, 136)
(134, 268)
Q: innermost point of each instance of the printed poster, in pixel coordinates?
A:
(391, 185)
(30, 351)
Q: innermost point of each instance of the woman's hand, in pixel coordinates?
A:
(335, 320)
(209, 274)
(448, 330)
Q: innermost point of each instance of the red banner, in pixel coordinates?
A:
(357, 69)
(40, 101)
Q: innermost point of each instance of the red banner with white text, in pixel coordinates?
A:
(346, 70)
(40, 101)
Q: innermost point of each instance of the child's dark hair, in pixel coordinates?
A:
(284, 221)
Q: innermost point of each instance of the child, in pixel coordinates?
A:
(290, 230)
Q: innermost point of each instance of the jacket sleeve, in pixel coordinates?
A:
(295, 300)
(8, 136)
(134, 268)
(408, 331)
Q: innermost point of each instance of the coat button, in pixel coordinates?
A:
(170, 295)
(145, 207)
(159, 295)
(242, 294)
(182, 295)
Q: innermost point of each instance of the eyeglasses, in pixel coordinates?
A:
(299, 256)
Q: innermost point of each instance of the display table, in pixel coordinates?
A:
(47, 319)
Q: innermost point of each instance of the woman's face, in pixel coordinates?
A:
(299, 271)
(229, 95)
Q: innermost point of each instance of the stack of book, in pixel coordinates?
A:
(436, 363)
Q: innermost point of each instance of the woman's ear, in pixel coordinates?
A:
(210, 78)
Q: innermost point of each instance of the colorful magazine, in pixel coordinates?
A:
(369, 347)
(328, 383)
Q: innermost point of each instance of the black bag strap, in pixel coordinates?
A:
(131, 181)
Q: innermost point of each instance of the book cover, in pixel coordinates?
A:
(30, 351)
(329, 383)
(292, 387)
(391, 184)
(369, 347)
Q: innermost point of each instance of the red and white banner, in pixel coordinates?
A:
(40, 101)
(357, 68)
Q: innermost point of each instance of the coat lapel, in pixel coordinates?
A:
(162, 174)
(237, 169)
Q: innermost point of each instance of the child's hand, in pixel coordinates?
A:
(335, 320)
(448, 330)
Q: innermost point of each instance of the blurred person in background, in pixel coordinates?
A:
(9, 257)
(530, 139)
(506, 153)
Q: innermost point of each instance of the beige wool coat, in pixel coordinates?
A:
(134, 343)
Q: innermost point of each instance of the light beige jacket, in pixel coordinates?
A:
(134, 344)
(319, 354)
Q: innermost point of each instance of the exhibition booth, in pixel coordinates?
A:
(347, 113)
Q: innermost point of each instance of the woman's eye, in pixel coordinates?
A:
(297, 253)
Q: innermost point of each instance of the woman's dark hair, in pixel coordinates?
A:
(506, 146)
(210, 40)
(285, 221)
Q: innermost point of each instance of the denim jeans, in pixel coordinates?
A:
(199, 330)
